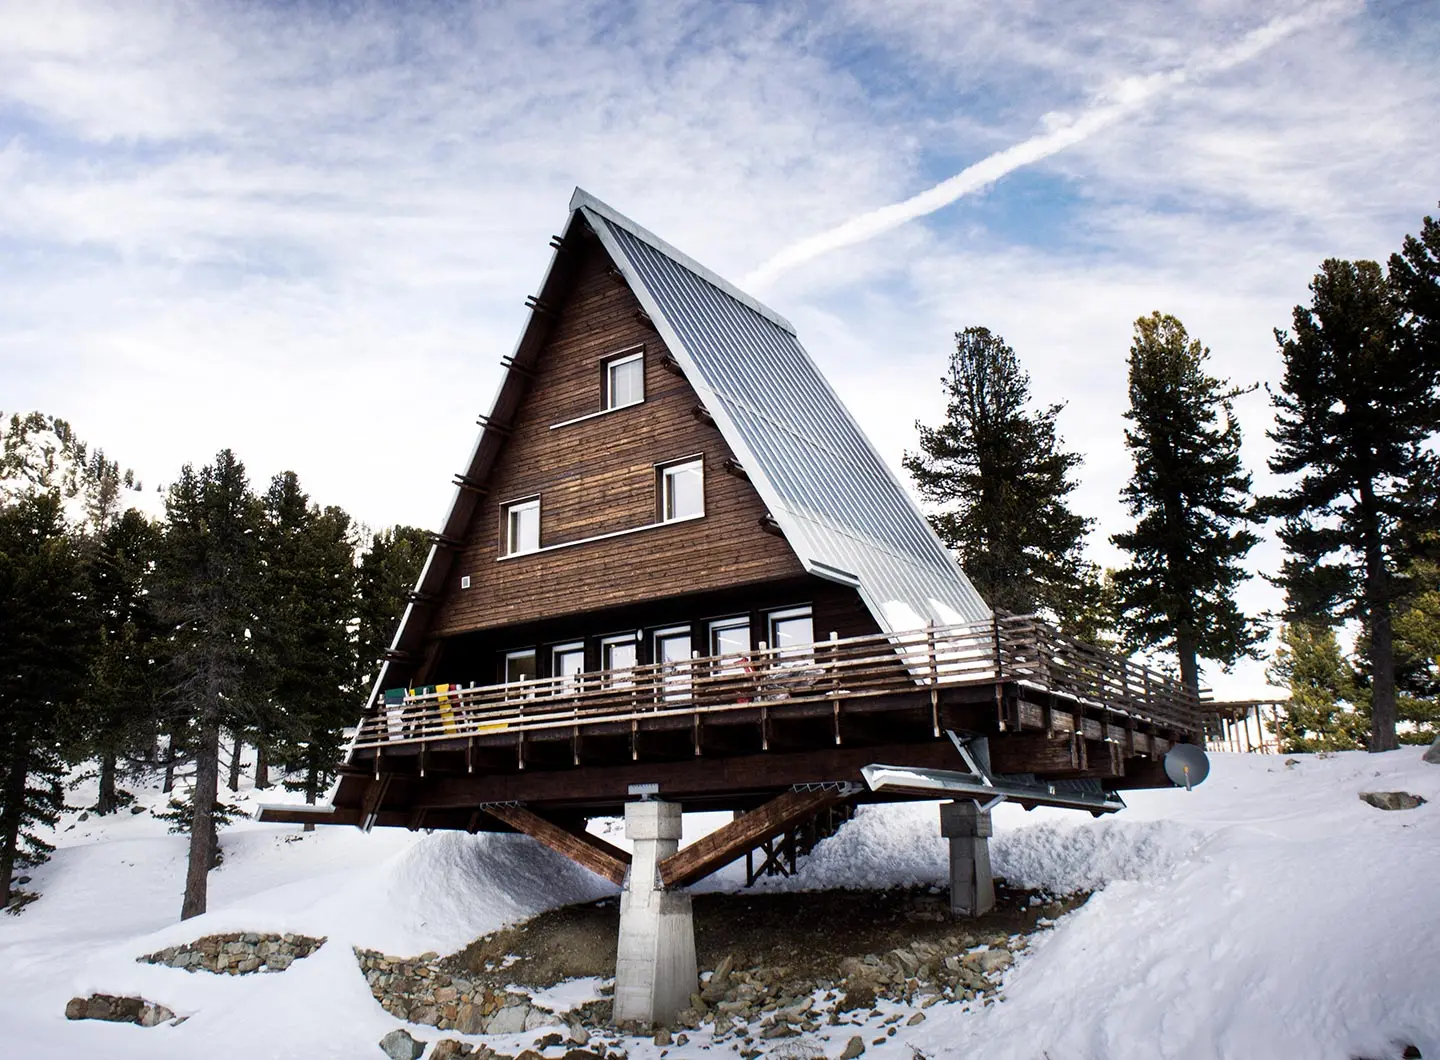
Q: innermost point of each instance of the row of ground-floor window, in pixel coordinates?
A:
(787, 615)
(788, 629)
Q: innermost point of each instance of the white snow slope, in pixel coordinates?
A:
(1268, 914)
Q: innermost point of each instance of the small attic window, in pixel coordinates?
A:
(625, 380)
(522, 527)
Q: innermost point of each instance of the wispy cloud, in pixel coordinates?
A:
(1113, 105)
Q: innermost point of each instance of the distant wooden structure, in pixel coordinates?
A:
(1242, 725)
(674, 567)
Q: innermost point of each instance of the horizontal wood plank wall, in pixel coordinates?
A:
(597, 477)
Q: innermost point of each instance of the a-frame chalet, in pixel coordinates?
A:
(675, 571)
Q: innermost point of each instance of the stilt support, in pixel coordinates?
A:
(655, 968)
(969, 828)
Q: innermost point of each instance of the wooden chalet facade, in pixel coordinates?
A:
(674, 560)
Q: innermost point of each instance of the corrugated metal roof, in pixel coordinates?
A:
(837, 502)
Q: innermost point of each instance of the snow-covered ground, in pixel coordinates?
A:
(1269, 913)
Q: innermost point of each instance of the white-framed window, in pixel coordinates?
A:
(522, 527)
(620, 654)
(567, 663)
(792, 632)
(520, 666)
(730, 636)
(673, 653)
(625, 380)
(682, 490)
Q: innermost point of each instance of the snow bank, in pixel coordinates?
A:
(1269, 913)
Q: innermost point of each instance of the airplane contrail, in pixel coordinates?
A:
(1126, 98)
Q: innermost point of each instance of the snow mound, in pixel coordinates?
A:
(901, 846)
(1062, 859)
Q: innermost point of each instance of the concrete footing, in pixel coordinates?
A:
(655, 968)
(969, 828)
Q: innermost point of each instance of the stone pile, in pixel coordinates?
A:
(749, 1005)
(237, 954)
(955, 968)
(422, 990)
(119, 1010)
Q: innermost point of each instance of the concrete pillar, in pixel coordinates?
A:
(655, 969)
(969, 828)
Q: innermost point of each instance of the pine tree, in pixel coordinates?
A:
(206, 591)
(304, 634)
(1325, 711)
(122, 704)
(389, 569)
(1356, 408)
(1189, 496)
(1002, 479)
(45, 642)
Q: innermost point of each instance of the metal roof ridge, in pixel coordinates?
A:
(582, 199)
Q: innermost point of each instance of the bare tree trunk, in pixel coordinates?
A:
(1383, 712)
(10, 812)
(262, 763)
(234, 784)
(202, 821)
(1186, 650)
(171, 752)
(312, 789)
(108, 801)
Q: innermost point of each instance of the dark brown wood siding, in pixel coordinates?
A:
(598, 476)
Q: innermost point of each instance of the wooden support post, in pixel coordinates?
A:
(584, 849)
(729, 841)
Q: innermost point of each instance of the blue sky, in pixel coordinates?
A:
(306, 231)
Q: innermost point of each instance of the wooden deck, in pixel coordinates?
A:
(837, 675)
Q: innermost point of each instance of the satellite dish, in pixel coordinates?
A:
(1186, 765)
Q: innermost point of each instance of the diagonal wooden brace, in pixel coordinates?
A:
(584, 849)
(728, 842)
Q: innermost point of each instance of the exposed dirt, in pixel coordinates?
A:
(794, 935)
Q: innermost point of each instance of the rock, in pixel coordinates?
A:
(428, 1014)
(538, 1017)
(1433, 754)
(446, 1048)
(398, 1045)
(549, 1041)
(857, 996)
(509, 1020)
(919, 1017)
(855, 1047)
(77, 1008)
(579, 1035)
(154, 1015)
(1392, 800)
(662, 1036)
(992, 961)
(470, 1020)
(137, 809)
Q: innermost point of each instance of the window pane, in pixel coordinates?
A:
(673, 649)
(684, 491)
(569, 661)
(620, 656)
(792, 634)
(524, 527)
(731, 639)
(519, 666)
(626, 382)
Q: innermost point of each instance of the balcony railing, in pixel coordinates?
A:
(1010, 649)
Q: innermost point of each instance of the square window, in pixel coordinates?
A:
(522, 527)
(625, 381)
(792, 633)
(682, 491)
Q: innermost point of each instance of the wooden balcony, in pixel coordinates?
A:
(1050, 671)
